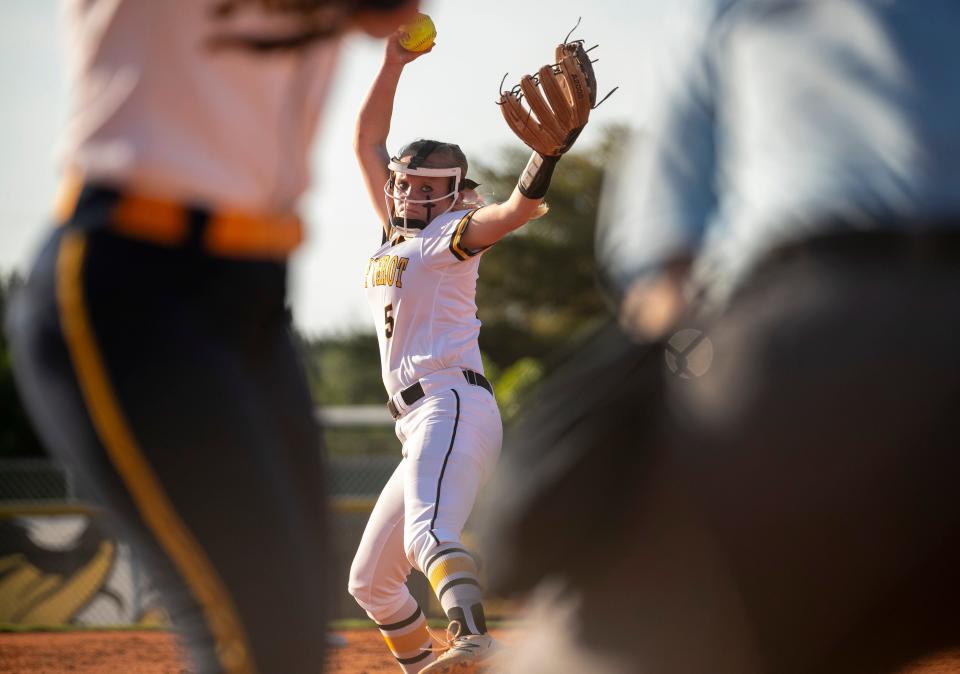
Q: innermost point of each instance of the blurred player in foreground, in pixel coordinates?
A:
(421, 286)
(785, 239)
(151, 343)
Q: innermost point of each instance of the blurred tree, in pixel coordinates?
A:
(538, 293)
(538, 287)
(344, 369)
(17, 438)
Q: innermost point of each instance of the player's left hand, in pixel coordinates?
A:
(556, 116)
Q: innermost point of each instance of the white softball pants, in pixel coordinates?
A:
(451, 443)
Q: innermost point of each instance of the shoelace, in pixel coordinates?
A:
(450, 641)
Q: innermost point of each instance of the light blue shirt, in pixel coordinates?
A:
(772, 120)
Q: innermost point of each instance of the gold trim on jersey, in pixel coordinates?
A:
(152, 503)
(459, 251)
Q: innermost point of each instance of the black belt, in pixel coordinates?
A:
(412, 394)
(931, 241)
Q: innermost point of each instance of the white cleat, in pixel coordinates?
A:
(469, 654)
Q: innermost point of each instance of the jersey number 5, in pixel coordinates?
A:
(388, 321)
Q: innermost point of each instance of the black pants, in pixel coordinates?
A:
(785, 507)
(169, 380)
(821, 451)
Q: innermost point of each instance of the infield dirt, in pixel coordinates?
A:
(157, 653)
(127, 652)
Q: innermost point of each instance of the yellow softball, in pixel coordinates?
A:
(418, 35)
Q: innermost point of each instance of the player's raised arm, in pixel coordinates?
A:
(373, 122)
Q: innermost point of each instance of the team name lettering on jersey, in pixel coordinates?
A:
(385, 271)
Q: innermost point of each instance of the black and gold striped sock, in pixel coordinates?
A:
(408, 639)
(453, 576)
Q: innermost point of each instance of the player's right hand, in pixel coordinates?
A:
(395, 53)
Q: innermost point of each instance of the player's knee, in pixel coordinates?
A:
(367, 595)
(378, 596)
(360, 584)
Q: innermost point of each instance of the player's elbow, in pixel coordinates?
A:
(366, 141)
(360, 143)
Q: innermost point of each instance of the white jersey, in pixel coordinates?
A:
(171, 98)
(422, 296)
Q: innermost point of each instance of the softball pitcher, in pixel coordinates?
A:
(421, 288)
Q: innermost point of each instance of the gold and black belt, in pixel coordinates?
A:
(162, 222)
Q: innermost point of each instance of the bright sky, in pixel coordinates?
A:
(449, 95)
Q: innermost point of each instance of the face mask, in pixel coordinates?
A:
(408, 227)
